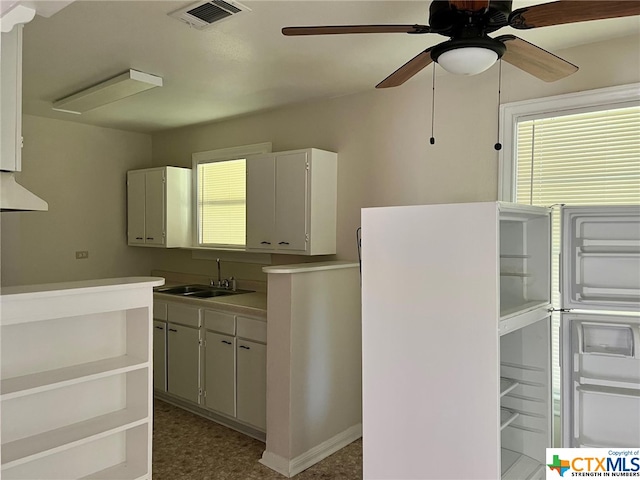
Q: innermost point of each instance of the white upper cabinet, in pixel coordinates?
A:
(291, 202)
(159, 207)
(11, 99)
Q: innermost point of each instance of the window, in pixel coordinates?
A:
(222, 202)
(578, 149)
(220, 186)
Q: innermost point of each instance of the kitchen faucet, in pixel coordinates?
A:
(227, 282)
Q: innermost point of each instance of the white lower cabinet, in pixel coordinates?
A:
(252, 383)
(183, 362)
(215, 360)
(219, 377)
(160, 355)
(183, 351)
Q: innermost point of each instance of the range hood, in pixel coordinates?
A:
(14, 197)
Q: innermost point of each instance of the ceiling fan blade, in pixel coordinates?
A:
(471, 5)
(342, 29)
(534, 60)
(408, 70)
(570, 11)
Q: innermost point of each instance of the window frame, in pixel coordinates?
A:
(219, 155)
(566, 104)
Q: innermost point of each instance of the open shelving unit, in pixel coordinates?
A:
(75, 383)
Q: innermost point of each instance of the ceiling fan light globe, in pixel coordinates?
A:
(467, 60)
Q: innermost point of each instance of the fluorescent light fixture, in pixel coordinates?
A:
(468, 60)
(109, 91)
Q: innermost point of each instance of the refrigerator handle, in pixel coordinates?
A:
(560, 276)
(561, 343)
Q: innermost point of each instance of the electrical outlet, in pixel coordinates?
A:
(82, 254)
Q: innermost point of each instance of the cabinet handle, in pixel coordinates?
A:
(139, 238)
(160, 328)
(149, 238)
(265, 243)
(225, 342)
(283, 243)
(173, 330)
(245, 347)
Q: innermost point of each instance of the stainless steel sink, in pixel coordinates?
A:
(200, 291)
(211, 293)
(183, 289)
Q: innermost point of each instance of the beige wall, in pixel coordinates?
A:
(382, 136)
(80, 171)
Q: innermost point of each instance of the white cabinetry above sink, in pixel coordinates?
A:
(291, 202)
(159, 207)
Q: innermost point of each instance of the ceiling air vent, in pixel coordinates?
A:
(202, 15)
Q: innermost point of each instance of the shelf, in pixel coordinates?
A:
(508, 255)
(53, 441)
(42, 381)
(609, 383)
(122, 471)
(609, 243)
(516, 466)
(507, 417)
(506, 385)
(515, 274)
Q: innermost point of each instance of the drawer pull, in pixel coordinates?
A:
(149, 238)
(226, 342)
(139, 238)
(245, 347)
(283, 243)
(173, 330)
(265, 243)
(160, 328)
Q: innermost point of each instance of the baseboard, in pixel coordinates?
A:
(292, 467)
(210, 415)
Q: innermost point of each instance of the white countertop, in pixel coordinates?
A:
(253, 304)
(84, 286)
(310, 267)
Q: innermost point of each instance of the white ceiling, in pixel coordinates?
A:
(242, 65)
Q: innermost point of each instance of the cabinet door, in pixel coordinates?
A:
(160, 356)
(261, 202)
(220, 373)
(154, 207)
(135, 207)
(252, 383)
(291, 201)
(183, 362)
(11, 95)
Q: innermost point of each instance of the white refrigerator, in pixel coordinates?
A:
(456, 337)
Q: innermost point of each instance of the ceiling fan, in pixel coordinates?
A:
(470, 49)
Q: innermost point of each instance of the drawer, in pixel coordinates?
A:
(252, 329)
(183, 315)
(159, 310)
(220, 322)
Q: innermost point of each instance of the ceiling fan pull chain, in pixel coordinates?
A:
(432, 140)
(498, 145)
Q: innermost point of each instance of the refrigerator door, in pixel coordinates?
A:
(600, 380)
(601, 258)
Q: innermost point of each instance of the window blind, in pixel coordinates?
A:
(577, 159)
(222, 197)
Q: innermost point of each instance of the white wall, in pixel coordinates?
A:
(382, 136)
(80, 171)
